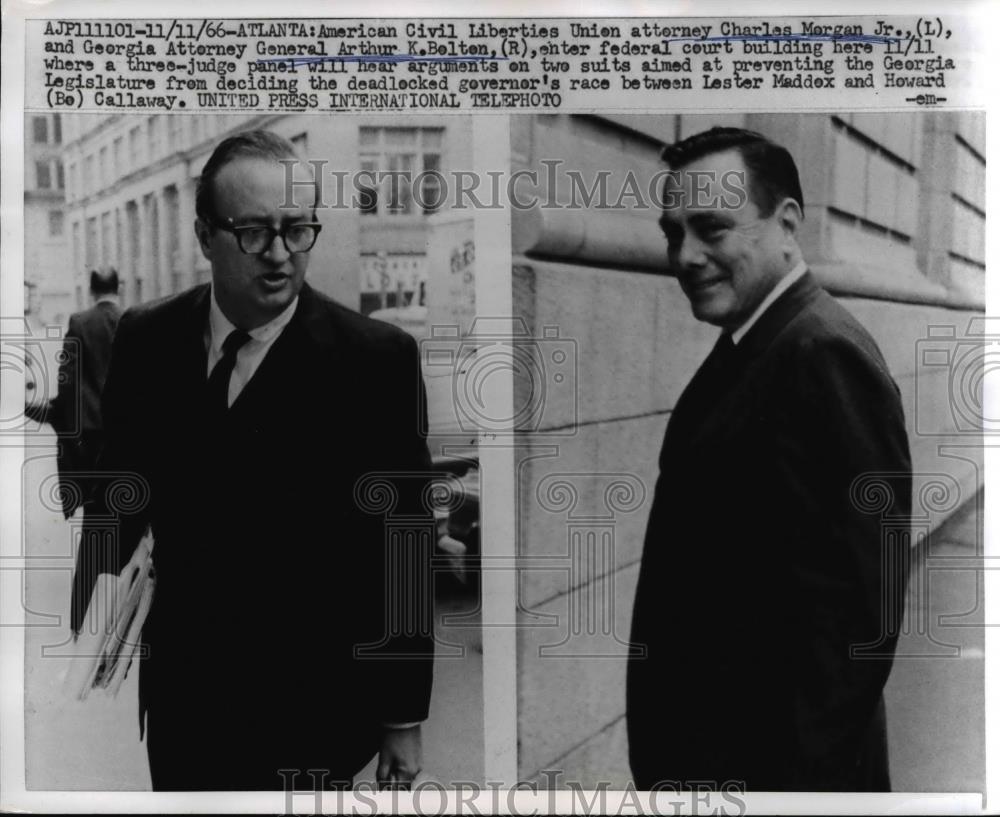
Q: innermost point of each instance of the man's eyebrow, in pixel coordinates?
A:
(284, 219)
(707, 216)
(252, 219)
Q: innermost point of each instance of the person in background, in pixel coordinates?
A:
(75, 411)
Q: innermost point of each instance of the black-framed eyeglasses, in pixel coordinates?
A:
(255, 239)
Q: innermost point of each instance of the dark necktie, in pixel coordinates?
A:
(218, 382)
(707, 387)
(716, 368)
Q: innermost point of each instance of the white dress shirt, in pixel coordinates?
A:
(790, 278)
(252, 353)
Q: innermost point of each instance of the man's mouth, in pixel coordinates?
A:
(274, 280)
(702, 285)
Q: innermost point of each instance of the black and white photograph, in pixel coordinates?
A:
(260, 513)
(750, 534)
(567, 409)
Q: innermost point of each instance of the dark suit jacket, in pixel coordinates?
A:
(87, 354)
(75, 412)
(760, 570)
(271, 554)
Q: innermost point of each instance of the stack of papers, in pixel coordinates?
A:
(112, 628)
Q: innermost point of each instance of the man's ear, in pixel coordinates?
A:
(204, 233)
(790, 217)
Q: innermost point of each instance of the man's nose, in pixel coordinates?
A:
(691, 254)
(277, 252)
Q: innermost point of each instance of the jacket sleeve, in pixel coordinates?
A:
(117, 517)
(401, 667)
(64, 414)
(852, 588)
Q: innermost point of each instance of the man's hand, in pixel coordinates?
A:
(399, 758)
(36, 404)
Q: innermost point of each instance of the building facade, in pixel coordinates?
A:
(45, 218)
(130, 193)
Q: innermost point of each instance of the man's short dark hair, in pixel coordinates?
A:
(254, 144)
(104, 282)
(774, 176)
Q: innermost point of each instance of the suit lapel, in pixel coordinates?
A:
(717, 393)
(301, 361)
(778, 315)
(184, 374)
(703, 392)
(195, 347)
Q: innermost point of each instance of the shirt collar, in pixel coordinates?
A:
(790, 278)
(220, 326)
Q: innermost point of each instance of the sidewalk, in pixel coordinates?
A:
(935, 699)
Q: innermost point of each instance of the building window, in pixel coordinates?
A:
(104, 168)
(106, 246)
(56, 223)
(56, 129)
(171, 236)
(116, 155)
(135, 147)
(400, 170)
(119, 239)
(153, 137)
(90, 243)
(43, 176)
(89, 175)
(175, 132)
(40, 127)
(60, 178)
(151, 227)
(134, 259)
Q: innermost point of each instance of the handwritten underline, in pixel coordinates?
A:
(874, 39)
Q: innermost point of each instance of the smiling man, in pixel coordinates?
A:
(769, 599)
(289, 631)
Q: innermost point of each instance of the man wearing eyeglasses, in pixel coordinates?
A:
(286, 634)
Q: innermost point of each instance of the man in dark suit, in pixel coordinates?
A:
(75, 411)
(770, 594)
(272, 440)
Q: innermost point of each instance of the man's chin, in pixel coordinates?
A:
(711, 312)
(278, 291)
(268, 305)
